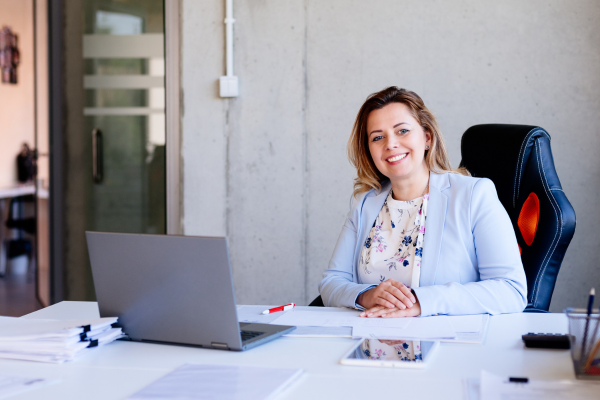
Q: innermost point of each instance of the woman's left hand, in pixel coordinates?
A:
(384, 312)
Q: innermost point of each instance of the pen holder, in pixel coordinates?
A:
(584, 333)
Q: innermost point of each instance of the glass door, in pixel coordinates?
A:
(124, 83)
(107, 123)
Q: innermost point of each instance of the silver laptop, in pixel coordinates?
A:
(172, 289)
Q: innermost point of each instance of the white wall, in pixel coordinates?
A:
(269, 169)
(16, 101)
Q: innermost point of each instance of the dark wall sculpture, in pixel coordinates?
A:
(9, 55)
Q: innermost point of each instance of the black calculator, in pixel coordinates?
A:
(547, 341)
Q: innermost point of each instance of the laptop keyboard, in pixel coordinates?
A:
(247, 335)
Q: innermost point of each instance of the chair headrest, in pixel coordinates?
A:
(500, 152)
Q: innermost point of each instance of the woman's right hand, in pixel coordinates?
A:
(390, 294)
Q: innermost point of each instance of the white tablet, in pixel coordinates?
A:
(391, 353)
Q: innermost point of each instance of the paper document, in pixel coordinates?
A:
(472, 337)
(416, 328)
(223, 382)
(254, 314)
(468, 329)
(336, 317)
(462, 328)
(467, 337)
(494, 387)
(12, 385)
(250, 314)
(465, 323)
(321, 331)
(389, 328)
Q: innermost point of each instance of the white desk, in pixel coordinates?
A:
(122, 368)
(22, 190)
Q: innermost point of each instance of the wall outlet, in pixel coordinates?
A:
(228, 86)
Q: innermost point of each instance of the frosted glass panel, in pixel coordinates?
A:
(124, 83)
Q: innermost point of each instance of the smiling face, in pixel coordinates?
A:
(397, 143)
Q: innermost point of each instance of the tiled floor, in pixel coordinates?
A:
(17, 295)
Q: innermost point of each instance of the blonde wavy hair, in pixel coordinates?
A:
(368, 176)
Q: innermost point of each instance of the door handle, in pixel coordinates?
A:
(97, 167)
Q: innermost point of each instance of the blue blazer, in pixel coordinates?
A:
(471, 262)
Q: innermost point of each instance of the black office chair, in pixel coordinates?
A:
(518, 159)
(318, 302)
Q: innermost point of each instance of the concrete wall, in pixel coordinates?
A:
(269, 168)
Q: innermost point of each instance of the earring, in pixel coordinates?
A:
(427, 147)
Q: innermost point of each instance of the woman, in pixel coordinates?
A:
(420, 238)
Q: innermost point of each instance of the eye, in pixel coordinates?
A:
(403, 131)
(377, 138)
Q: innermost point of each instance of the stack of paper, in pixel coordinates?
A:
(51, 340)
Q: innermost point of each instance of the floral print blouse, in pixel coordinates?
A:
(393, 350)
(394, 247)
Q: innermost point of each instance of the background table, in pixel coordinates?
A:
(122, 368)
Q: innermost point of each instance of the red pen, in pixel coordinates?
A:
(280, 308)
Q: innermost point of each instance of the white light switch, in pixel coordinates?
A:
(228, 86)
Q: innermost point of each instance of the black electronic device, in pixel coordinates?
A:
(547, 341)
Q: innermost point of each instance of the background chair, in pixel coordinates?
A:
(518, 159)
(18, 221)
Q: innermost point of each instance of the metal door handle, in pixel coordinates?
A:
(97, 170)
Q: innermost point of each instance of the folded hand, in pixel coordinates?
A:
(388, 294)
(384, 312)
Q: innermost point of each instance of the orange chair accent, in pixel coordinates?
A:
(529, 218)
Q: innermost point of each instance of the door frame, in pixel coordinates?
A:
(56, 115)
(57, 125)
(173, 117)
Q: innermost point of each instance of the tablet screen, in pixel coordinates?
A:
(392, 351)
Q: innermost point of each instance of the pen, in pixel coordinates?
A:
(587, 322)
(280, 308)
(595, 348)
